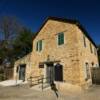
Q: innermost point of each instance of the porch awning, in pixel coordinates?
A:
(41, 64)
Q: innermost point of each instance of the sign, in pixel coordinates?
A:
(41, 65)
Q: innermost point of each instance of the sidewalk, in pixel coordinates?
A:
(11, 82)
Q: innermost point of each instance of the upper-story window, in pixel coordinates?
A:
(84, 39)
(39, 45)
(95, 51)
(60, 38)
(91, 48)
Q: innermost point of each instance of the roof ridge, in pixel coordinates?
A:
(72, 21)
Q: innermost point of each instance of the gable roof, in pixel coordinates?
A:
(76, 22)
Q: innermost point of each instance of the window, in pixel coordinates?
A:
(92, 64)
(84, 39)
(87, 72)
(39, 45)
(60, 38)
(91, 48)
(95, 51)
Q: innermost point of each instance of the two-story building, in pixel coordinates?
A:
(63, 51)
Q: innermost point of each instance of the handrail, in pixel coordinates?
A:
(34, 77)
(43, 81)
(39, 80)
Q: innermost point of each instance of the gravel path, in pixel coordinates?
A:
(25, 93)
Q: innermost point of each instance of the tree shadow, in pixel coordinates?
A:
(54, 88)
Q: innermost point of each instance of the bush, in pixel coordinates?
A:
(1, 71)
(1, 77)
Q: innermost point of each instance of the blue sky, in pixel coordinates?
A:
(32, 13)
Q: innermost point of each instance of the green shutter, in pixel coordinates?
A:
(60, 38)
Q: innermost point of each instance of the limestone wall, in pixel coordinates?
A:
(25, 60)
(72, 53)
(85, 55)
(67, 53)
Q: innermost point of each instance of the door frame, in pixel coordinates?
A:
(58, 72)
(22, 73)
(49, 73)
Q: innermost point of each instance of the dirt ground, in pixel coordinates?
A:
(24, 93)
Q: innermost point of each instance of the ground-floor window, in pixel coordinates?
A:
(87, 71)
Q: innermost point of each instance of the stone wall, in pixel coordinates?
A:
(66, 53)
(72, 53)
(25, 60)
(85, 55)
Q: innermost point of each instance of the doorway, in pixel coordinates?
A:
(22, 71)
(50, 72)
(54, 73)
(58, 70)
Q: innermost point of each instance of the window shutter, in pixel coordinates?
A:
(60, 38)
(37, 46)
(40, 45)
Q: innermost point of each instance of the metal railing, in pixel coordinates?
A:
(34, 80)
(38, 80)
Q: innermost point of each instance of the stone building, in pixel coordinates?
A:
(22, 68)
(62, 51)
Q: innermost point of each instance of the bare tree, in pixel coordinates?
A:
(16, 41)
(10, 27)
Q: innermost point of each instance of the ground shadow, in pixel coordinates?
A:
(54, 88)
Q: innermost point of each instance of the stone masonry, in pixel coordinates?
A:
(72, 54)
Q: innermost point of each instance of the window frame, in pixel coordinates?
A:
(39, 45)
(91, 48)
(84, 40)
(60, 38)
(95, 51)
